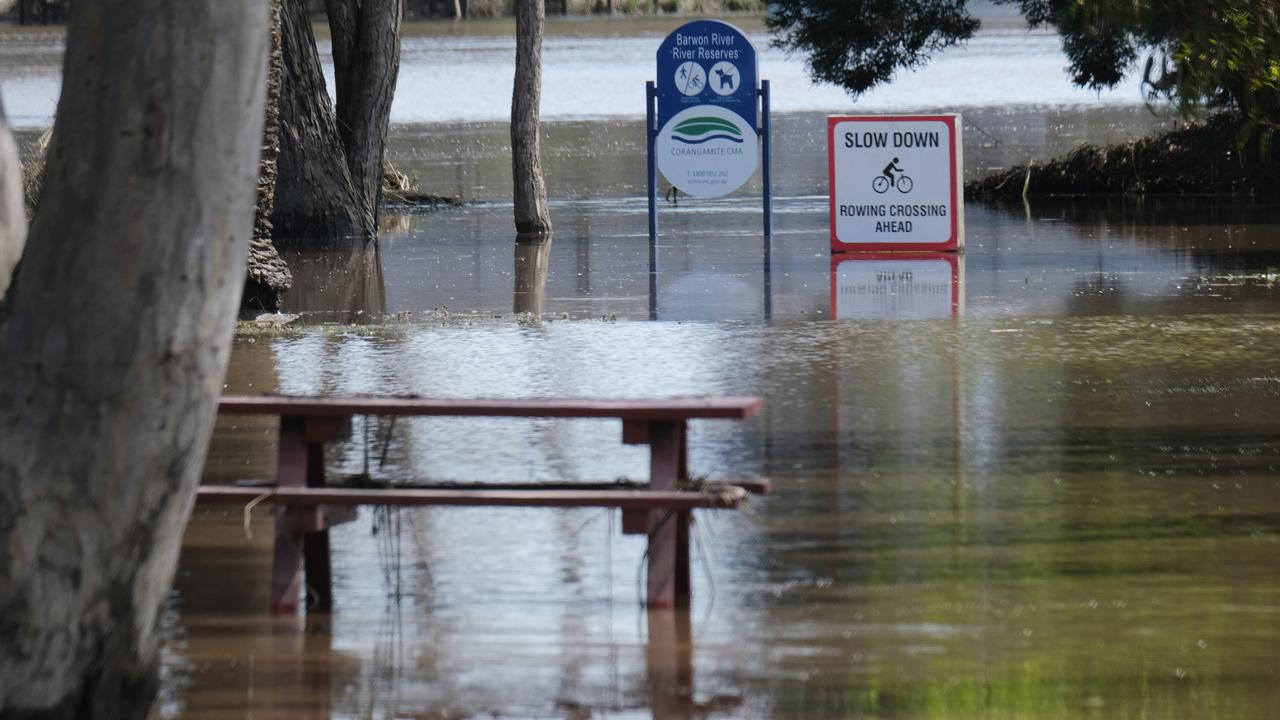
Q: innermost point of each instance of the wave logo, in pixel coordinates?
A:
(698, 130)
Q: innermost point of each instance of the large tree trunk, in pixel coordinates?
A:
(13, 219)
(268, 275)
(115, 337)
(316, 198)
(530, 190)
(366, 62)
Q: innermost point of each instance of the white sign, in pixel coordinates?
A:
(707, 150)
(896, 183)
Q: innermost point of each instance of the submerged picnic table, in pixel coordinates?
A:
(306, 508)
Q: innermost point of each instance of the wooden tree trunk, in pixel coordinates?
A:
(13, 219)
(115, 336)
(530, 190)
(316, 199)
(268, 274)
(366, 61)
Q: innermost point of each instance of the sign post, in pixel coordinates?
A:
(707, 114)
(896, 183)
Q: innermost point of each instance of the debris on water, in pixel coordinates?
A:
(274, 320)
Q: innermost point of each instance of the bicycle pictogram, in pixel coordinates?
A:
(887, 179)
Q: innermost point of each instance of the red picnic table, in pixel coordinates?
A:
(306, 508)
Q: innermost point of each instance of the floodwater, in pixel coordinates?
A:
(1057, 498)
(1038, 480)
(597, 68)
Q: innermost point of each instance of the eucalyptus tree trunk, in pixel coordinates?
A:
(114, 339)
(529, 188)
(316, 199)
(268, 275)
(330, 182)
(366, 63)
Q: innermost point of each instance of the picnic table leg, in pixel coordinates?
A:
(302, 540)
(683, 591)
(668, 556)
(319, 574)
(291, 471)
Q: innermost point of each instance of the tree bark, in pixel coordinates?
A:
(268, 275)
(13, 219)
(366, 62)
(316, 199)
(530, 189)
(115, 335)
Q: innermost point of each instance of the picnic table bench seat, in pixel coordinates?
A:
(306, 506)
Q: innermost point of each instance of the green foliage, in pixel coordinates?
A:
(1205, 53)
(858, 44)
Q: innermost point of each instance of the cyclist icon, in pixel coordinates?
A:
(887, 179)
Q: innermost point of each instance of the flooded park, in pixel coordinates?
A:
(1041, 484)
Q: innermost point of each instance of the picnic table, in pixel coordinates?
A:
(306, 508)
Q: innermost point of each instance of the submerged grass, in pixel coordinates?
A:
(396, 325)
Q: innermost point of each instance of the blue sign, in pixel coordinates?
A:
(707, 106)
(707, 62)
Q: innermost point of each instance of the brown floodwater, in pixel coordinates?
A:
(1040, 481)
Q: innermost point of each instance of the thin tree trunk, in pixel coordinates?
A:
(315, 196)
(115, 336)
(268, 275)
(366, 61)
(530, 189)
(13, 219)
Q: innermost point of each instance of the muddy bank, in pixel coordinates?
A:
(1199, 158)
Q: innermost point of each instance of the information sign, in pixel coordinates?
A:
(707, 105)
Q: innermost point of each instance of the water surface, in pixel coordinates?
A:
(1056, 497)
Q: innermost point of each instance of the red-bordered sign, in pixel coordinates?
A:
(895, 183)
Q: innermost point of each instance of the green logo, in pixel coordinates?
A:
(697, 130)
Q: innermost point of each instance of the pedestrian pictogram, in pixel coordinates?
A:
(690, 78)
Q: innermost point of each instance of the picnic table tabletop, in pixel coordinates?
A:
(683, 408)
